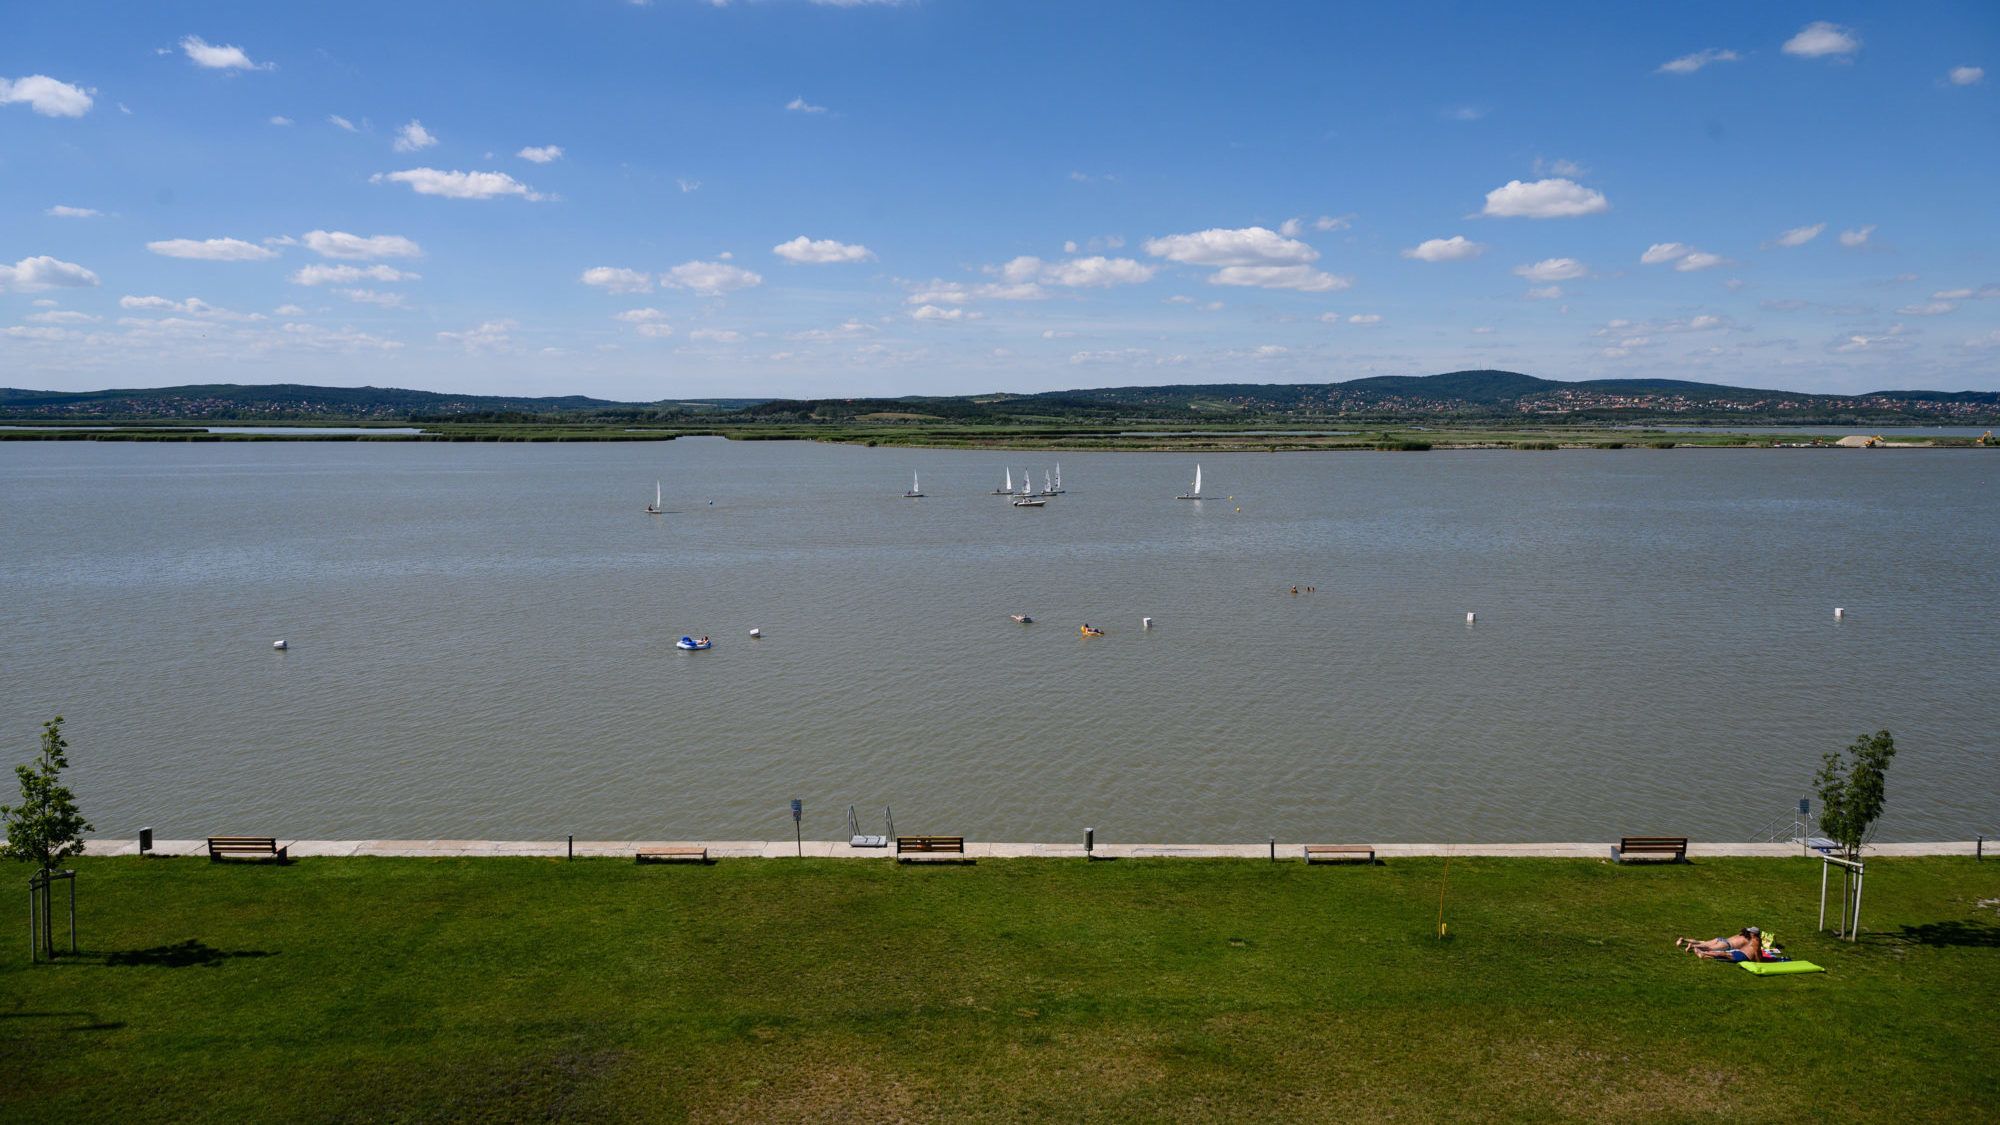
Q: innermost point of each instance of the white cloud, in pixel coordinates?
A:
(1365, 318)
(1269, 351)
(717, 335)
(1545, 293)
(1333, 222)
(613, 279)
(218, 57)
(344, 339)
(414, 137)
(1464, 112)
(43, 334)
(1966, 75)
(686, 185)
(933, 312)
(1544, 199)
(541, 154)
(1453, 249)
(347, 275)
(340, 244)
(460, 185)
(342, 123)
(1688, 64)
(489, 336)
(1820, 39)
(800, 105)
(372, 297)
(1305, 279)
(639, 316)
(1097, 272)
(710, 279)
(1552, 269)
(1856, 237)
(61, 316)
(1013, 291)
(289, 310)
(279, 119)
(192, 306)
(936, 292)
(61, 212)
(212, 249)
(1935, 308)
(1247, 246)
(824, 251)
(1990, 340)
(1685, 258)
(46, 96)
(1799, 236)
(1057, 334)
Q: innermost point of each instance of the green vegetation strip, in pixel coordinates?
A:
(397, 989)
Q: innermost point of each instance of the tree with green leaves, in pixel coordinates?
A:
(45, 828)
(1852, 790)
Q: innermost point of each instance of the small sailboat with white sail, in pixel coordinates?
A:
(1008, 488)
(1029, 498)
(1057, 488)
(654, 508)
(916, 491)
(1194, 491)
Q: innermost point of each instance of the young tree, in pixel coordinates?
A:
(45, 828)
(1851, 790)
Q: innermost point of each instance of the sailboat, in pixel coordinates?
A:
(1008, 488)
(1193, 493)
(1057, 490)
(916, 491)
(1029, 498)
(654, 508)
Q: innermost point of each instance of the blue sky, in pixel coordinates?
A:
(782, 197)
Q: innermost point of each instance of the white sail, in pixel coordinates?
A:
(1197, 480)
(1046, 486)
(657, 494)
(1010, 480)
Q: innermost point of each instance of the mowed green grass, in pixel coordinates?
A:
(421, 989)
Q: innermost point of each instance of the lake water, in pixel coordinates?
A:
(482, 640)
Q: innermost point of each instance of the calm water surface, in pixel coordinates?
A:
(482, 639)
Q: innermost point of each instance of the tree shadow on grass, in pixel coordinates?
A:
(180, 955)
(1977, 934)
(95, 1023)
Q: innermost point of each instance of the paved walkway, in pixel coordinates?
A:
(839, 849)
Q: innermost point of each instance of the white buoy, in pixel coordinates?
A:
(1146, 621)
(756, 632)
(1471, 617)
(1838, 613)
(280, 645)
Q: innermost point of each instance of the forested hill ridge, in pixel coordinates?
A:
(1483, 396)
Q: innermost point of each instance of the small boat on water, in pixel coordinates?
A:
(1008, 488)
(1057, 490)
(1021, 617)
(694, 644)
(654, 509)
(1030, 500)
(1088, 631)
(1193, 493)
(916, 491)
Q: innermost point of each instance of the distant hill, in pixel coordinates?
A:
(1453, 396)
(228, 401)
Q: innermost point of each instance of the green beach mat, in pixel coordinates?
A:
(1775, 968)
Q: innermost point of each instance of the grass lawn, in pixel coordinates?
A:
(372, 989)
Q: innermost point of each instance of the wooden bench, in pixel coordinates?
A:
(1334, 853)
(1675, 847)
(915, 848)
(671, 855)
(265, 846)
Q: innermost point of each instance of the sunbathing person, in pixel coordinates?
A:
(1747, 945)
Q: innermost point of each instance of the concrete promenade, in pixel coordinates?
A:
(839, 849)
